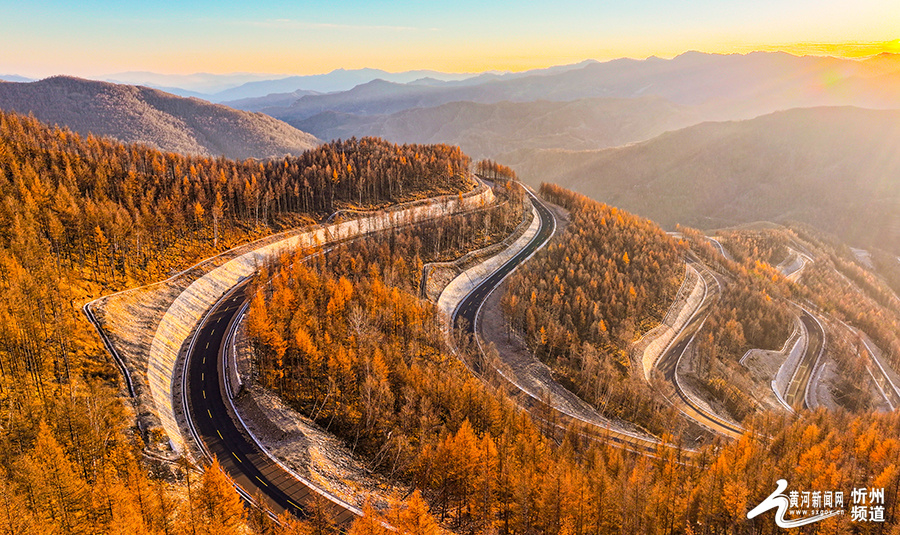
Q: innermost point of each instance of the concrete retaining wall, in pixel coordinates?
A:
(188, 308)
(465, 282)
(437, 275)
(786, 370)
(651, 347)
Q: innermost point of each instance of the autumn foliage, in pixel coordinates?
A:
(492, 170)
(750, 312)
(79, 216)
(586, 297)
(362, 355)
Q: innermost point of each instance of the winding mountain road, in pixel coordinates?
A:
(465, 314)
(797, 391)
(467, 318)
(671, 357)
(219, 432)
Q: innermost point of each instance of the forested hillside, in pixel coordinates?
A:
(346, 335)
(752, 312)
(329, 328)
(134, 114)
(496, 128)
(820, 166)
(586, 298)
(843, 287)
(107, 208)
(378, 373)
(81, 216)
(757, 304)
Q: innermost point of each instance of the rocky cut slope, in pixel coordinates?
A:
(155, 118)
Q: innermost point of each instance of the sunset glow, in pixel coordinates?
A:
(91, 39)
(842, 50)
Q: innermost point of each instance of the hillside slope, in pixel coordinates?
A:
(733, 86)
(485, 130)
(158, 119)
(592, 105)
(835, 168)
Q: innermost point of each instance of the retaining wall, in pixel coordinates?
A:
(786, 370)
(650, 347)
(453, 294)
(437, 275)
(186, 311)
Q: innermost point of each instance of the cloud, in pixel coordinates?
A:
(853, 49)
(292, 24)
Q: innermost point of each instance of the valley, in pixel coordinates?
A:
(259, 482)
(619, 296)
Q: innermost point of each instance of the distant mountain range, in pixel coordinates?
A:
(274, 100)
(201, 83)
(589, 105)
(155, 118)
(488, 130)
(344, 80)
(14, 78)
(646, 135)
(835, 168)
(338, 80)
(228, 87)
(727, 86)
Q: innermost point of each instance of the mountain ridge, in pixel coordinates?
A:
(734, 86)
(158, 119)
(486, 130)
(837, 168)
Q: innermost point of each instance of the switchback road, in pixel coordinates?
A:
(466, 317)
(220, 433)
(465, 314)
(222, 436)
(668, 362)
(796, 391)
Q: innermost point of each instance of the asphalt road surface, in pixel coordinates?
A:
(465, 314)
(222, 435)
(550, 418)
(224, 438)
(796, 392)
(668, 362)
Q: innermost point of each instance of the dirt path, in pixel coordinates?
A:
(533, 377)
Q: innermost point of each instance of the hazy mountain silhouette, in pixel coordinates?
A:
(255, 96)
(489, 129)
(337, 80)
(726, 86)
(269, 101)
(198, 83)
(835, 168)
(14, 78)
(149, 116)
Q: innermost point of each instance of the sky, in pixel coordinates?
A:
(93, 38)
